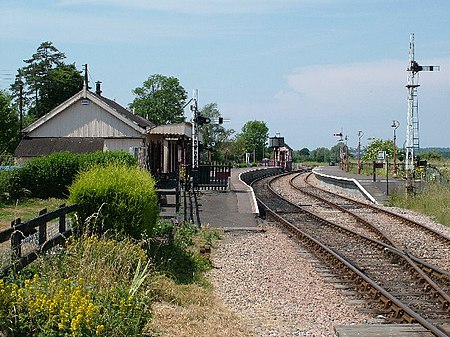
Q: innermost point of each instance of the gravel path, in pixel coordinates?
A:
(269, 281)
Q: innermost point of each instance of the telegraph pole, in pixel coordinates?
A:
(412, 122)
(21, 104)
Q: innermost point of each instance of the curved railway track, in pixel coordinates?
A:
(379, 270)
(430, 249)
(426, 244)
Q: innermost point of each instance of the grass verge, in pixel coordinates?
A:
(103, 286)
(191, 311)
(26, 210)
(434, 201)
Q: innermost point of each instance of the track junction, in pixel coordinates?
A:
(400, 267)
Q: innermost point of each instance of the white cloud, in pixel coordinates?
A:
(355, 88)
(320, 100)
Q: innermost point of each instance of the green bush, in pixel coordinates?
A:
(5, 177)
(116, 197)
(107, 158)
(50, 176)
(14, 184)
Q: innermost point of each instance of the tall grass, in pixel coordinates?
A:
(87, 290)
(433, 200)
(102, 286)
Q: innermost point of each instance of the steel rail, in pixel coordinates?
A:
(437, 291)
(362, 280)
(374, 207)
(429, 268)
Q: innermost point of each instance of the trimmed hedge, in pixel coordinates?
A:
(50, 176)
(118, 198)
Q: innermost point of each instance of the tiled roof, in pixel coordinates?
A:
(142, 122)
(33, 147)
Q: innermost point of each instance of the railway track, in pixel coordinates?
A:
(427, 247)
(426, 243)
(381, 271)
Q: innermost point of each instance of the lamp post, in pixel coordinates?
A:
(360, 134)
(395, 125)
(346, 154)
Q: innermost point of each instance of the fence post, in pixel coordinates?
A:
(42, 229)
(62, 221)
(16, 239)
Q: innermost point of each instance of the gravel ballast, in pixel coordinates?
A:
(276, 287)
(270, 282)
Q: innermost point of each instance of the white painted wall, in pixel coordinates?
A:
(84, 121)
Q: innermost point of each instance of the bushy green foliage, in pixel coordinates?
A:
(4, 186)
(430, 155)
(50, 176)
(376, 145)
(116, 197)
(106, 158)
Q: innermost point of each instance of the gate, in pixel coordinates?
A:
(213, 177)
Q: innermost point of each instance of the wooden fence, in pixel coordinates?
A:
(28, 239)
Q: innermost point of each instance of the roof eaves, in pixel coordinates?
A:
(72, 100)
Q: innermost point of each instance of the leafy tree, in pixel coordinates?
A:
(9, 127)
(321, 155)
(376, 145)
(301, 155)
(214, 135)
(63, 82)
(46, 80)
(335, 153)
(234, 149)
(161, 99)
(255, 134)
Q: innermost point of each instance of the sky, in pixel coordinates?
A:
(307, 68)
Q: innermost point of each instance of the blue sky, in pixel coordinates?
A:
(307, 68)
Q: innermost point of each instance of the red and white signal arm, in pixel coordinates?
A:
(337, 134)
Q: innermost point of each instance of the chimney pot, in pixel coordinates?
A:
(98, 89)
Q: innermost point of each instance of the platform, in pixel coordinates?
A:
(235, 208)
(377, 191)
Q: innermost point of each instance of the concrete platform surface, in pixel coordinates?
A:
(235, 208)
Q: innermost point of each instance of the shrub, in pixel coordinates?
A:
(107, 158)
(5, 178)
(50, 176)
(122, 199)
